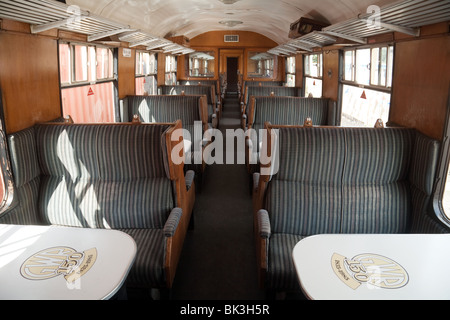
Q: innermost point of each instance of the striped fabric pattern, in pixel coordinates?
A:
(377, 156)
(311, 155)
(422, 176)
(375, 187)
(267, 90)
(141, 203)
(26, 174)
(304, 197)
(64, 202)
(347, 180)
(154, 109)
(424, 163)
(290, 111)
(148, 268)
(24, 163)
(377, 208)
(201, 90)
(422, 222)
(26, 212)
(172, 222)
(281, 269)
(304, 208)
(104, 176)
(68, 151)
(127, 152)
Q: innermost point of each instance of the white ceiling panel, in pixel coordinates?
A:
(190, 18)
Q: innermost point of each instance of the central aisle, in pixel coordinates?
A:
(218, 259)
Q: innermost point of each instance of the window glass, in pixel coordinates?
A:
(146, 73)
(260, 65)
(202, 64)
(87, 82)
(313, 75)
(171, 70)
(363, 66)
(349, 62)
(64, 61)
(390, 66)
(290, 72)
(314, 63)
(83, 63)
(80, 63)
(362, 107)
(92, 64)
(104, 63)
(313, 88)
(375, 67)
(366, 88)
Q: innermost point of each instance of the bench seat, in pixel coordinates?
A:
(107, 176)
(340, 180)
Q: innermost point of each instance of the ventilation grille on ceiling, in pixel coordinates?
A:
(231, 38)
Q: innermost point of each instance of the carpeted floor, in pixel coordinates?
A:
(218, 259)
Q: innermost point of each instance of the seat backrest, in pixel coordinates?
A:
(352, 180)
(288, 111)
(267, 91)
(214, 83)
(104, 176)
(26, 174)
(376, 187)
(304, 197)
(207, 90)
(166, 108)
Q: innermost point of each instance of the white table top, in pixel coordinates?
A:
(374, 267)
(58, 263)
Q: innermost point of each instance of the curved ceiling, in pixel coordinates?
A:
(271, 18)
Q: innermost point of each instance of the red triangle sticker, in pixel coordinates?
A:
(363, 96)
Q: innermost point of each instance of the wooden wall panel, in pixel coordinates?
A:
(127, 70)
(299, 70)
(29, 80)
(421, 85)
(248, 41)
(330, 74)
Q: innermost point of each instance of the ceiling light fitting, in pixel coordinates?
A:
(230, 23)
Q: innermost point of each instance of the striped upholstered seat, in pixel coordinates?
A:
(26, 173)
(266, 91)
(206, 90)
(115, 176)
(167, 109)
(344, 180)
(280, 110)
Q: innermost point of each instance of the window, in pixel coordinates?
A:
(202, 64)
(87, 82)
(290, 72)
(367, 81)
(171, 70)
(313, 75)
(260, 65)
(146, 73)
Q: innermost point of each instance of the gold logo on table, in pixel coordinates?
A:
(59, 261)
(371, 269)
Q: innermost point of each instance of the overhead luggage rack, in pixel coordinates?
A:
(405, 17)
(44, 15)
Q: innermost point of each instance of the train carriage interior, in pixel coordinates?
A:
(298, 118)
